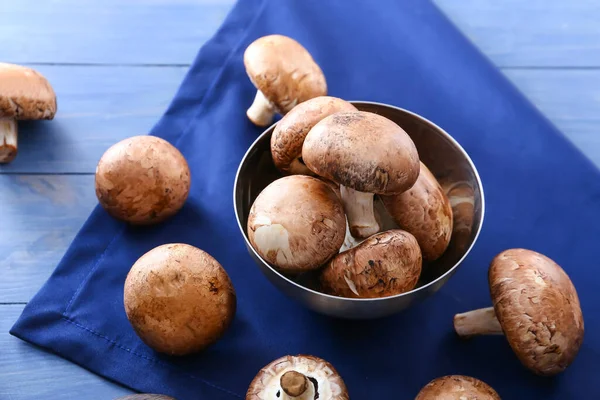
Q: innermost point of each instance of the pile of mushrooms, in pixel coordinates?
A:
(320, 216)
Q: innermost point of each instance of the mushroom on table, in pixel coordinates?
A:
(296, 223)
(366, 154)
(289, 133)
(535, 306)
(385, 264)
(284, 74)
(179, 299)
(425, 211)
(25, 94)
(301, 377)
(457, 387)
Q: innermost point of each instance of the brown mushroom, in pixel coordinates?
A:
(425, 211)
(296, 223)
(25, 94)
(462, 199)
(366, 154)
(457, 387)
(535, 306)
(385, 264)
(284, 74)
(289, 133)
(179, 299)
(301, 377)
(142, 180)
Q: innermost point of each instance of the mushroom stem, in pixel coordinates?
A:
(8, 140)
(477, 322)
(261, 112)
(359, 211)
(349, 240)
(295, 384)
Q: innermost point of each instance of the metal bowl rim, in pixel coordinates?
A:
(359, 300)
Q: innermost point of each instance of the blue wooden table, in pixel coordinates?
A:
(115, 65)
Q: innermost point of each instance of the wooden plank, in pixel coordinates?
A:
(41, 215)
(97, 106)
(26, 373)
(111, 31)
(532, 33)
(511, 32)
(570, 99)
(101, 105)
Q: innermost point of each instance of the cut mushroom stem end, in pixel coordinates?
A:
(477, 322)
(261, 112)
(8, 140)
(359, 210)
(294, 384)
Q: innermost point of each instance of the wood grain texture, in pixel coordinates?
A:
(42, 214)
(102, 105)
(28, 373)
(107, 32)
(532, 33)
(97, 106)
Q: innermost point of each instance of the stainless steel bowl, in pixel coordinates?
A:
(446, 159)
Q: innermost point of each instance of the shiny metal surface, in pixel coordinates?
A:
(446, 159)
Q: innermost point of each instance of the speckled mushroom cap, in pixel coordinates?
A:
(363, 151)
(425, 211)
(289, 133)
(329, 384)
(385, 264)
(538, 309)
(142, 180)
(179, 299)
(284, 71)
(457, 387)
(297, 223)
(25, 94)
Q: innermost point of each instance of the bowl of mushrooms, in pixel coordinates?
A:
(357, 209)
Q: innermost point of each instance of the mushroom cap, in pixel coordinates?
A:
(364, 151)
(385, 264)
(266, 383)
(425, 211)
(142, 180)
(179, 299)
(538, 309)
(284, 71)
(297, 223)
(457, 387)
(289, 133)
(25, 94)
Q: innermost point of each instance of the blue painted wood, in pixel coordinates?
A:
(108, 31)
(531, 33)
(40, 215)
(28, 373)
(97, 106)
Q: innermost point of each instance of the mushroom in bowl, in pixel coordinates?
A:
(366, 154)
(297, 223)
(535, 306)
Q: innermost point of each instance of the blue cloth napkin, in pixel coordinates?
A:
(540, 193)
